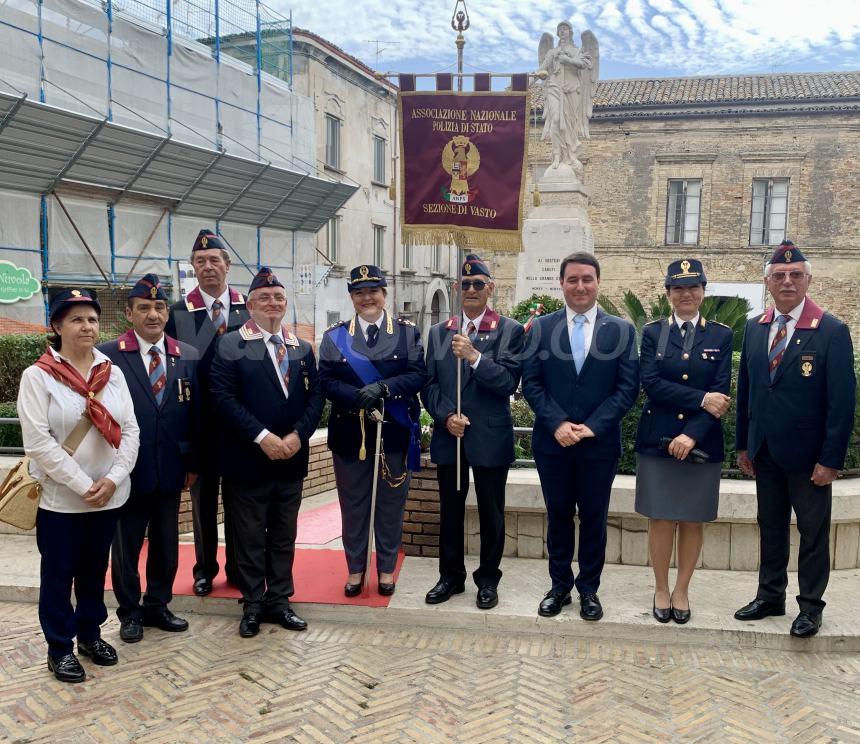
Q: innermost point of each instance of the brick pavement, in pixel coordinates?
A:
(342, 682)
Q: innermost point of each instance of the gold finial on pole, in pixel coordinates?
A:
(460, 22)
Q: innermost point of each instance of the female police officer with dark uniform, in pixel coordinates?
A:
(370, 363)
(686, 372)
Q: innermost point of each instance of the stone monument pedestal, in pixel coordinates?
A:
(559, 226)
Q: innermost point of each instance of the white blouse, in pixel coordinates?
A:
(49, 410)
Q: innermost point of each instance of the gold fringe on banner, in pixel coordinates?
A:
(506, 241)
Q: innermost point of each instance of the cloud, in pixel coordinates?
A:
(661, 37)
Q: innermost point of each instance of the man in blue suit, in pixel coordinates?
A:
(268, 404)
(161, 373)
(795, 413)
(580, 376)
(489, 351)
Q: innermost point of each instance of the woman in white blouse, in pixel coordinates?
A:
(79, 430)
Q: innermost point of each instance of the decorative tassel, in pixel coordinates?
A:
(536, 196)
(362, 451)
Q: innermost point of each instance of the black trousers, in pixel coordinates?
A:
(204, 505)
(74, 549)
(574, 487)
(490, 492)
(778, 492)
(264, 521)
(159, 511)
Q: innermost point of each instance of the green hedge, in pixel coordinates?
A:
(16, 354)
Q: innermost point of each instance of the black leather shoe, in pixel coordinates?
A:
(443, 591)
(165, 620)
(351, 590)
(101, 652)
(249, 625)
(202, 586)
(806, 625)
(681, 616)
(552, 603)
(66, 668)
(661, 614)
(589, 607)
(131, 630)
(760, 608)
(488, 597)
(286, 618)
(385, 588)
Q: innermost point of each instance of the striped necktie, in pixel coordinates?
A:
(157, 375)
(218, 317)
(471, 330)
(577, 341)
(281, 358)
(777, 348)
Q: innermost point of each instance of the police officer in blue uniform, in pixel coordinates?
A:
(208, 311)
(686, 365)
(795, 413)
(161, 373)
(488, 347)
(371, 363)
(268, 403)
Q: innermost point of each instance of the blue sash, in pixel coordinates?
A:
(363, 367)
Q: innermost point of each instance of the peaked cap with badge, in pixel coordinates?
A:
(786, 253)
(148, 287)
(685, 272)
(265, 277)
(207, 240)
(474, 266)
(66, 298)
(365, 275)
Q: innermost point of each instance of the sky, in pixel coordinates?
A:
(637, 38)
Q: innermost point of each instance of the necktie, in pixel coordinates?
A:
(157, 376)
(689, 333)
(218, 317)
(777, 348)
(281, 358)
(577, 341)
(372, 332)
(471, 330)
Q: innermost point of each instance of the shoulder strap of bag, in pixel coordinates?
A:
(76, 435)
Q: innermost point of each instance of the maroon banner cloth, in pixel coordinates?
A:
(463, 167)
(444, 81)
(482, 81)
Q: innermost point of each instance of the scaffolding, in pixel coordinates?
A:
(126, 126)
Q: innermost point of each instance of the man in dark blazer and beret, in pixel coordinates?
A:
(795, 413)
(210, 310)
(488, 348)
(372, 363)
(580, 376)
(161, 373)
(268, 404)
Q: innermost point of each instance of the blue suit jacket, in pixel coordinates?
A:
(167, 432)
(599, 396)
(249, 398)
(486, 393)
(675, 385)
(806, 414)
(399, 358)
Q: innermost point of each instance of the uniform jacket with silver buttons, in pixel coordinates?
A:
(676, 381)
(398, 356)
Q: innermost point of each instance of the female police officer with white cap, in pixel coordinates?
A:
(686, 364)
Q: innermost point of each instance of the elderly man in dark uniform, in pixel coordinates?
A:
(264, 382)
(369, 365)
(580, 376)
(489, 350)
(795, 413)
(161, 373)
(208, 312)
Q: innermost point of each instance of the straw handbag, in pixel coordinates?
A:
(19, 496)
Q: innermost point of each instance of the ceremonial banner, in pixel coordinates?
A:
(463, 166)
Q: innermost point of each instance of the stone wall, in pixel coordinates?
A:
(628, 164)
(421, 518)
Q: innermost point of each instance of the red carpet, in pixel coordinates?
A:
(319, 576)
(319, 526)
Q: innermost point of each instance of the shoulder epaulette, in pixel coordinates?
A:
(404, 321)
(335, 325)
(717, 322)
(652, 322)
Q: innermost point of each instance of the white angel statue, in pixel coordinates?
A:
(571, 74)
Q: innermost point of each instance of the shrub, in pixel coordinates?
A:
(10, 434)
(17, 352)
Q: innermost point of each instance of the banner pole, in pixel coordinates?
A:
(459, 304)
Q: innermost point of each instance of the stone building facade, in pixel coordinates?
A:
(793, 139)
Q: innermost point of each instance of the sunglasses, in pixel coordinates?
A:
(474, 284)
